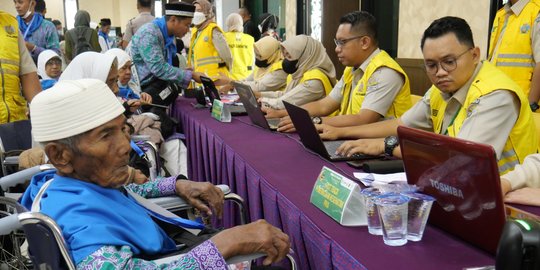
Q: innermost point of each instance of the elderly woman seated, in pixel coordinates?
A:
(49, 68)
(83, 131)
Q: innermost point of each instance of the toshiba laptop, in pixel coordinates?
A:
(212, 93)
(463, 177)
(252, 107)
(310, 137)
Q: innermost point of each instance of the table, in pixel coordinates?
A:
(275, 175)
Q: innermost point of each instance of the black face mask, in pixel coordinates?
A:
(261, 63)
(289, 67)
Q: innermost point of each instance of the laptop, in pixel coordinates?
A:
(310, 136)
(212, 93)
(463, 177)
(253, 108)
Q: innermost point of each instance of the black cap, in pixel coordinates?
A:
(179, 9)
(105, 22)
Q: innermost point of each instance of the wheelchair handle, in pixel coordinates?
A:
(21, 176)
(9, 224)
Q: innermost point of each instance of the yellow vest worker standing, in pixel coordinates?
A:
(208, 52)
(241, 46)
(18, 70)
(515, 45)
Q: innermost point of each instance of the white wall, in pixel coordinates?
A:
(416, 15)
(223, 9)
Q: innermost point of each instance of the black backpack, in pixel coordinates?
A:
(82, 44)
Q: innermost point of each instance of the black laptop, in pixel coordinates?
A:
(212, 93)
(311, 139)
(253, 108)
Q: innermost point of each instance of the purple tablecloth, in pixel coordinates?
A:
(275, 175)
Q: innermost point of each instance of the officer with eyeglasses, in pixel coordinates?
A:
(469, 99)
(373, 86)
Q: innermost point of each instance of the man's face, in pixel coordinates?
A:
(244, 14)
(22, 6)
(103, 154)
(446, 52)
(180, 26)
(350, 53)
(106, 29)
(112, 80)
(59, 27)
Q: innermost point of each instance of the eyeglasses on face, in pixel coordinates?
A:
(342, 42)
(448, 64)
(54, 61)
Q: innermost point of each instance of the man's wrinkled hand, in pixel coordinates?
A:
(256, 237)
(202, 195)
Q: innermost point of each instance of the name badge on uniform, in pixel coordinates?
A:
(525, 28)
(206, 39)
(9, 29)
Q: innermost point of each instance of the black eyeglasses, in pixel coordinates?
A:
(54, 61)
(342, 42)
(449, 64)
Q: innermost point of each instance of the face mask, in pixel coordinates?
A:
(261, 63)
(27, 14)
(289, 66)
(60, 32)
(198, 18)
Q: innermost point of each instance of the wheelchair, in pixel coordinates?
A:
(46, 245)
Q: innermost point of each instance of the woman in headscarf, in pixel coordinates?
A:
(241, 46)
(208, 50)
(49, 68)
(268, 74)
(82, 30)
(128, 89)
(311, 73)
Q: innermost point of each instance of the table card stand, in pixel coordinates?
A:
(221, 111)
(339, 197)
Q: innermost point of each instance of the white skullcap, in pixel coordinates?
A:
(70, 108)
(120, 55)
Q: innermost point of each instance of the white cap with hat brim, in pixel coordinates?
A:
(71, 108)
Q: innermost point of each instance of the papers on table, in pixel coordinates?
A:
(369, 179)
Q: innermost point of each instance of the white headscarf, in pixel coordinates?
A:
(120, 55)
(42, 61)
(91, 65)
(234, 23)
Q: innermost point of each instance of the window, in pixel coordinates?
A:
(158, 9)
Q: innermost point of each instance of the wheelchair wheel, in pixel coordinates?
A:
(10, 253)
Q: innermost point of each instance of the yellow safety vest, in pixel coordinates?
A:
(315, 74)
(202, 55)
(241, 46)
(13, 105)
(520, 140)
(515, 55)
(401, 103)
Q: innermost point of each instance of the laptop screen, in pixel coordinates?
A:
(463, 176)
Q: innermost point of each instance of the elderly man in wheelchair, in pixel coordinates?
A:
(83, 131)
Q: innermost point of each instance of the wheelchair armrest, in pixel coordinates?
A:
(232, 260)
(13, 160)
(177, 203)
(9, 224)
(21, 176)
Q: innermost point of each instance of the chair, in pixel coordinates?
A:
(15, 137)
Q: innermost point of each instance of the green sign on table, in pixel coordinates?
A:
(339, 197)
(220, 111)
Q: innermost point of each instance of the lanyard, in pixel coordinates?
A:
(452, 121)
(29, 26)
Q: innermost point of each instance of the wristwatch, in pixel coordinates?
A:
(316, 120)
(390, 143)
(534, 106)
